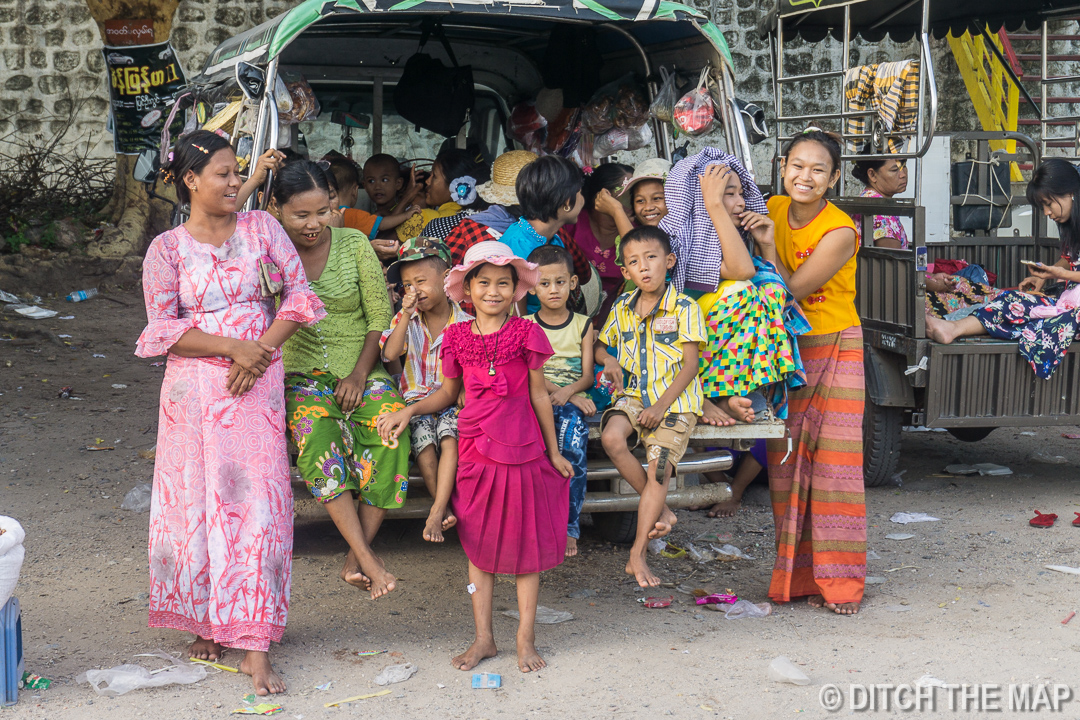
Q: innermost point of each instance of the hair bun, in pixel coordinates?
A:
(167, 176)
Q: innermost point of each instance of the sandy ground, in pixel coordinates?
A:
(967, 600)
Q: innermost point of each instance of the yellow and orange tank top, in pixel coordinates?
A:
(831, 308)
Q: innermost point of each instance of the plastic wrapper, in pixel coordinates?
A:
(124, 678)
(694, 114)
(745, 609)
(618, 139)
(282, 97)
(12, 553)
(619, 104)
(525, 120)
(305, 106)
(564, 132)
(138, 498)
(664, 103)
(395, 674)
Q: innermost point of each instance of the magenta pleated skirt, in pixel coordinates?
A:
(511, 518)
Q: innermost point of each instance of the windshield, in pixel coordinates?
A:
(344, 125)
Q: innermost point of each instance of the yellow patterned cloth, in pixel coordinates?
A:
(746, 343)
(892, 90)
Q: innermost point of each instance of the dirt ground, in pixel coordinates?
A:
(967, 599)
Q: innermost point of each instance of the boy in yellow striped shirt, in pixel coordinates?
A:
(656, 331)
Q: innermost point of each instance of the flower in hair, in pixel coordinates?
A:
(463, 190)
(588, 170)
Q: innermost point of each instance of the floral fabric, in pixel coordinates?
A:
(342, 451)
(221, 511)
(1043, 342)
(884, 225)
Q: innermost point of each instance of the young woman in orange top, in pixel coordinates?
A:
(817, 494)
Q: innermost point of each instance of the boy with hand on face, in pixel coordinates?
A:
(568, 374)
(656, 330)
(417, 333)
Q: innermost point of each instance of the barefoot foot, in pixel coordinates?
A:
(850, 608)
(382, 582)
(449, 521)
(571, 546)
(664, 524)
(204, 649)
(640, 570)
(815, 601)
(740, 408)
(713, 414)
(725, 509)
(266, 681)
(528, 659)
(351, 573)
(479, 650)
(433, 528)
(942, 331)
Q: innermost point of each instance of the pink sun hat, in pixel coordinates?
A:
(496, 253)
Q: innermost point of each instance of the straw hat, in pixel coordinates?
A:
(651, 169)
(496, 253)
(504, 171)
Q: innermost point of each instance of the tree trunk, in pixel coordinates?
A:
(135, 216)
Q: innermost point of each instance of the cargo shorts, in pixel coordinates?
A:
(673, 432)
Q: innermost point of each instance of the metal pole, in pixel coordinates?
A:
(376, 116)
(1043, 64)
(778, 73)
(844, 63)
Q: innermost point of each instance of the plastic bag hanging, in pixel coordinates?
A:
(663, 104)
(694, 114)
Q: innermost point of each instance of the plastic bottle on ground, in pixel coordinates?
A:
(81, 295)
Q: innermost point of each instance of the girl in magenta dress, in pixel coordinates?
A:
(512, 493)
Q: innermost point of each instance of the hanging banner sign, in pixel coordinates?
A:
(142, 81)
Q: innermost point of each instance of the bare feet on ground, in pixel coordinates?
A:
(266, 681)
(640, 570)
(479, 650)
(728, 507)
(571, 546)
(433, 529)
(942, 331)
(664, 524)
(815, 601)
(528, 659)
(203, 649)
(850, 608)
(740, 408)
(712, 414)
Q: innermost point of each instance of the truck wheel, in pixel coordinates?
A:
(970, 434)
(881, 443)
(616, 527)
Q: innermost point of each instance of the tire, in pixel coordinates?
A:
(970, 434)
(881, 443)
(616, 527)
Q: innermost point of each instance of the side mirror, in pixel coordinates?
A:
(146, 167)
(251, 79)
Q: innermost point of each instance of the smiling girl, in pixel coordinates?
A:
(335, 385)
(221, 529)
(817, 493)
(512, 494)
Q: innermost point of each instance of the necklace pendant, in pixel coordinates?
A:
(491, 368)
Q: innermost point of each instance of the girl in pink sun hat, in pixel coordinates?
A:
(512, 493)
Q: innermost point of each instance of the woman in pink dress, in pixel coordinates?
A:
(513, 492)
(221, 513)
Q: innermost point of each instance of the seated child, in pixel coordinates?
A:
(642, 195)
(568, 374)
(656, 331)
(549, 192)
(417, 332)
(347, 179)
(391, 197)
(450, 165)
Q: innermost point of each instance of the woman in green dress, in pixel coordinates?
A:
(335, 386)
